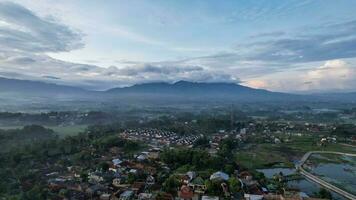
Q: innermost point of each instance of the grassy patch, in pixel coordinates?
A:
(263, 156)
(284, 154)
(64, 131)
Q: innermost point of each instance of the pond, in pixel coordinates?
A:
(310, 188)
(272, 171)
(339, 171)
(303, 185)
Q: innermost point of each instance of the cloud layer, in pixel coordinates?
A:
(25, 38)
(305, 58)
(332, 75)
(22, 30)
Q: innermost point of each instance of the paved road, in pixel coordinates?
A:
(319, 180)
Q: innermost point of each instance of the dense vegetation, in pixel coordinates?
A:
(26, 135)
(18, 181)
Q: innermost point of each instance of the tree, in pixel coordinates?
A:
(131, 178)
(324, 194)
(104, 166)
(213, 187)
(36, 192)
(201, 142)
(229, 168)
(171, 184)
(344, 130)
(234, 185)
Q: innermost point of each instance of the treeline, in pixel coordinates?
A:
(55, 118)
(194, 123)
(201, 160)
(196, 159)
(345, 130)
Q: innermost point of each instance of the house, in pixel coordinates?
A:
(116, 162)
(150, 180)
(209, 198)
(105, 196)
(191, 175)
(253, 197)
(150, 170)
(245, 175)
(142, 157)
(56, 184)
(95, 177)
(137, 187)
(95, 190)
(219, 176)
(198, 185)
(353, 139)
(133, 171)
(145, 196)
(127, 195)
(153, 155)
(119, 182)
(254, 189)
(185, 192)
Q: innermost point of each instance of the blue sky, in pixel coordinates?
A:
(280, 45)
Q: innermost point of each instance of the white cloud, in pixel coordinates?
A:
(333, 75)
(25, 31)
(27, 39)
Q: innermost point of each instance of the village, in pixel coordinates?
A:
(144, 174)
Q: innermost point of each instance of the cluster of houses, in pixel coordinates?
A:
(140, 176)
(119, 178)
(115, 184)
(159, 137)
(193, 187)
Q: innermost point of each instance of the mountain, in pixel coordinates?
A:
(183, 91)
(37, 89)
(349, 97)
(184, 87)
(14, 91)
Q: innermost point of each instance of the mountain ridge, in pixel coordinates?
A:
(179, 91)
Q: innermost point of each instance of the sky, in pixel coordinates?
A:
(280, 45)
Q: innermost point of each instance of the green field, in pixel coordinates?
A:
(266, 155)
(64, 131)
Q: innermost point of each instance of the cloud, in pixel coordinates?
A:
(333, 75)
(267, 60)
(51, 77)
(327, 42)
(45, 68)
(275, 52)
(25, 40)
(157, 68)
(268, 34)
(22, 30)
(263, 10)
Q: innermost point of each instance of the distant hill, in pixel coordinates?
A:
(183, 90)
(37, 88)
(14, 91)
(186, 87)
(339, 96)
